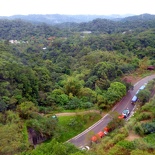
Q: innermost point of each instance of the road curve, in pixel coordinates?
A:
(83, 138)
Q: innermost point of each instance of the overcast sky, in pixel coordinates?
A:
(98, 7)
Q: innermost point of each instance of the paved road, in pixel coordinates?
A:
(83, 139)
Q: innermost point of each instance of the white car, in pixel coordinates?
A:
(85, 148)
(126, 113)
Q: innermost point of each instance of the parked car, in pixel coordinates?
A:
(85, 148)
(134, 99)
(126, 113)
(106, 130)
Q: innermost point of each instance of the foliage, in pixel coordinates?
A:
(118, 150)
(3, 106)
(140, 152)
(115, 121)
(50, 68)
(115, 92)
(74, 103)
(144, 116)
(12, 141)
(59, 97)
(73, 125)
(150, 140)
(138, 129)
(148, 127)
(44, 126)
(143, 96)
(26, 109)
(149, 107)
(126, 144)
(72, 86)
(55, 148)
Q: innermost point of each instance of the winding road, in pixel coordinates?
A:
(83, 138)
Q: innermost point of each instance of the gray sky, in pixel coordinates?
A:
(98, 7)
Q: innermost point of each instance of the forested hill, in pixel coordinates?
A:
(139, 22)
(58, 18)
(47, 69)
(142, 17)
(18, 29)
(53, 19)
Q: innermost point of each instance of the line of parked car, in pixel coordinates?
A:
(124, 115)
(135, 98)
(107, 129)
(100, 135)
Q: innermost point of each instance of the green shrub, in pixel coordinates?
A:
(144, 116)
(76, 123)
(44, 110)
(140, 144)
(138, 129)
(126, 144)
(143, 96)
(86, 105)
(118, 138)
(150, 140)
(118, 150)
(148, 127)
(140, 152)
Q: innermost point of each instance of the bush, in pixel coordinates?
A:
(3, 106)
(148, 127)
(118, 150)
(150, 140)
(140, 144)
(86, 105)
(73, 104)
(147, 107)
(44, 110)
(143, 96)
(119, 137)
(126, 144)
(144, 116)
(75, 123)
(138, 129)
(140, 152)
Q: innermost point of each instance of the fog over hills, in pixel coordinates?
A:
(58, 18)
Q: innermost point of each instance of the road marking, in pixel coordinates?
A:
(136, 84)
(91, 127)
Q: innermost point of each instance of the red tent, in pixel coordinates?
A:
(100, 134)
(94, 139)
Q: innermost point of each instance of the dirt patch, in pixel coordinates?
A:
(132, 136)
(75, 113)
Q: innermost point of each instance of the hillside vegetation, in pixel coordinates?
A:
(48, 69)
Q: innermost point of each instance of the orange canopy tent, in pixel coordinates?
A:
(94, 139)
(100, 134)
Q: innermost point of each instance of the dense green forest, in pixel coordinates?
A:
(50, 69)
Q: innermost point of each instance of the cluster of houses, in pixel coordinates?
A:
(17, 41)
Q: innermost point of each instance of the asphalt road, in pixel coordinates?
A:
(83, 138)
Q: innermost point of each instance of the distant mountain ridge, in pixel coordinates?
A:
(58, 18)
(145, 17)
(18, 29)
